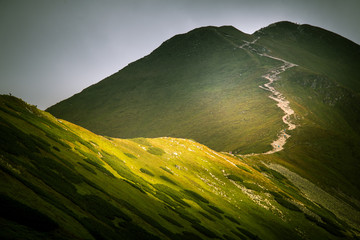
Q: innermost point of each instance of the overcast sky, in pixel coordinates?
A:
(52, 49)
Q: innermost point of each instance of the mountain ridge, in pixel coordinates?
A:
(212, 29)
(203, 79)
(204, 87)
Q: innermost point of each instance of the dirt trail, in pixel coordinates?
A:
(282, 103)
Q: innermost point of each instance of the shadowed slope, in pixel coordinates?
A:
(201, 85)
(324, 91)
(86, 186)
(196, 85)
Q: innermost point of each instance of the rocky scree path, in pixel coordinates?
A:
(282, 103)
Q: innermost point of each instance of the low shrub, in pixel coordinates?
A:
(94, 185)
(99, 167)
(184, 215)
(144, 170)
(211, 211)
(274, 173)
(98, 229)
(86, 144)
(56, 148)
(168, 180)
(252, 186)
(239, 235)
(204, 230)
(155, 151)
(57, 139)
(165, 198)
(244, 168)
(90, 156)
(40, 143)
(287, 204)
(176, 195)
(87, 167)
(171, 220)
(207, 216)
(216, 209)
(130, 155)
(232, 219)
(234, 178)
(167, 170)
(195, 195)
(327, 225)
(247, 233)
(134, 186)
(142, 141)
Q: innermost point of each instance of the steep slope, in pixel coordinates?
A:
(315, 49)
(61, 181)
(203, 85)
(197, 85)
(324, 91)
(329, 65)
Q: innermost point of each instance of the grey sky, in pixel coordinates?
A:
(52, 49)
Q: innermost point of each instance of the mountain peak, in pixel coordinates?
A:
(282, 27)
(286, 28)
(206, 32)
(283, 24)
(212, 28)
(199, 41)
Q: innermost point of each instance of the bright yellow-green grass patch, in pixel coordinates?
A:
(98, 187)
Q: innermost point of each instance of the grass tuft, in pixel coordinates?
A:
(195, 196)
(156, 151)
(144, 170)
(234, 178)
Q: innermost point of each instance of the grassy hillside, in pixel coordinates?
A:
(324, 91)
(329, 67)
(60, 181)
(315, 49)
(201, 86)
(196, 85)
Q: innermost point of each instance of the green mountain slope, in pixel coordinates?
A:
(60, 181)
(201, 85)
(196, 85)
(324, 91)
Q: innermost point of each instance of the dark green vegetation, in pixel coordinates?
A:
(60, 181)
(19, 213)
(324, 91)
(195, 85)
(201, 86)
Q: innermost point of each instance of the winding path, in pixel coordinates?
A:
(282, 103)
